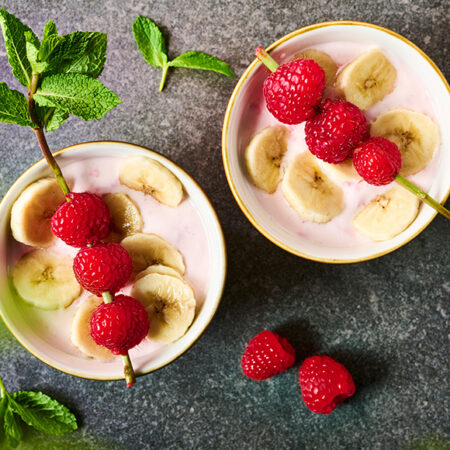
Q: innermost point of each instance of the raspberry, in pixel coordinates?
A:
(105, 267)
(119, 325)
(325, 383)
(335, 131)
(294, 90)
(84, 220)
(266, 355)
(377, 160)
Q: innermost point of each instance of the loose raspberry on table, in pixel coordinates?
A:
(104, 267)
(119, 325)
(377, 160)
(266, 355)
(83, 220)
(325, 383)
(332, 134)
(294, 90)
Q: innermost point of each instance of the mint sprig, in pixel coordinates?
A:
(152, 45)
(35, 409)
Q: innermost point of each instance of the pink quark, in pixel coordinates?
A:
(408, 93)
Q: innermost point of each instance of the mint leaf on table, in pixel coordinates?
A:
(13, 431)
(14, 34)
(151, 43)
(43, 413)
(203, 61)
(77, 94)
(13, 107)
(33, 54)
(37, 410)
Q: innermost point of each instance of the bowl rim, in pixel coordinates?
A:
(224, 262)
(226, 123)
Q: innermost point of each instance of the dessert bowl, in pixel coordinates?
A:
(328, 244)
(49, 340)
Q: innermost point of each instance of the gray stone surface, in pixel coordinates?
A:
(386, 319)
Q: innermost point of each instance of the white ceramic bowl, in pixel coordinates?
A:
(143, 362)
(233, 146)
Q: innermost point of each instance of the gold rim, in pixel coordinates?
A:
(226, 123)
(42, 358)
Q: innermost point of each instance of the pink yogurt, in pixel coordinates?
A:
(408, 93)
(181, 226)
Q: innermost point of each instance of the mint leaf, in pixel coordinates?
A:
(33, 54)
(13, 107)
(203, 61)
(77, 94)
(90, 57)
(3, 406)
(49, 30)
(51, 46)
(51, 118)
(12, 428)
(43, 413)
(14, 34)
(150, 41)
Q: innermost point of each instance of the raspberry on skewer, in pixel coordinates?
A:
(293, 90)
(378, 161)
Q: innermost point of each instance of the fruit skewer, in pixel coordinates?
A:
(385, 165)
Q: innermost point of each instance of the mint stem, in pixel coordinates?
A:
(164, 76)
(42, 139)
(266, 59)
(423, 196)
(128, 371)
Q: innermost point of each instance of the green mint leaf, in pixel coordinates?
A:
(90, 57)
(33, 54)
(12, 428)
(150, 41)
(203, 61)
(14, 107)
(77, 94)
(50, 48)
(3, 406)
(43, 413)
(49, 30)
(51, 118)
(14, 34)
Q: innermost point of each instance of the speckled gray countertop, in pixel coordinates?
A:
(386, 320)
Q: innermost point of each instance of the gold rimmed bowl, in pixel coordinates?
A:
(42, 338)
(235, 138)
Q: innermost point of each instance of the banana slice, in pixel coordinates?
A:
(311, 194)
(415, 134)
(126, 218)
(46, 280)
(148, 249)
(170, 303)
(387, 214)
(32, 211)
(152, 178)
(323, 59)
(344, 171)
(263, 157)
(81, 331)
(161, 269)
(367, 79)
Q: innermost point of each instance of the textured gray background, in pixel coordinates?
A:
(386, 320)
